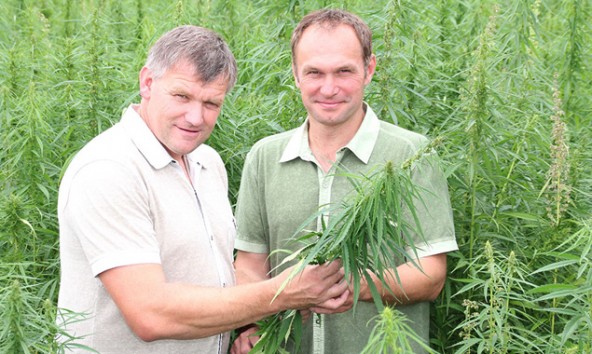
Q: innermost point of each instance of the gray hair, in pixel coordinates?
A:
(201, 47)
(331, 18)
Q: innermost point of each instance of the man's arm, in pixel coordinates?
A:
(155, 309)
(413, 285)
(251, 267)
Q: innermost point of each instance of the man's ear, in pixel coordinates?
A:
(146, 79)
(295, 75)
(370, 69)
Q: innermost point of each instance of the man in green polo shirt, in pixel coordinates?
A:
(289, 176)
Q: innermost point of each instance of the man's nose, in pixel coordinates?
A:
(329, 86)
(194, 115)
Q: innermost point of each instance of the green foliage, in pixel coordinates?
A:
(495, 323)
(392, 334)
(278, 331)
(568, 299)
(27, 318)
(506, 84)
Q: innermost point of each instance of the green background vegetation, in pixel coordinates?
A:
(506, 85)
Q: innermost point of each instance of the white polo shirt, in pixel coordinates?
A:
(123, 200)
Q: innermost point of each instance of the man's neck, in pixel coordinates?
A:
(183, 163)
(326, 140)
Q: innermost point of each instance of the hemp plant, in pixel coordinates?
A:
(392, 334)
(372, 232)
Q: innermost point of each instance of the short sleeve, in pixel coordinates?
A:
(249, 216)
(107, 208)
(433, 209)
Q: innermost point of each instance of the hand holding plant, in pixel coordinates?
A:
(317, 284)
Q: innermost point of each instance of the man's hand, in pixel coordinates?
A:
(342, 303)
(245, 341)
(315, 285)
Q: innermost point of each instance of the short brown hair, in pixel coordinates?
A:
(331, 18)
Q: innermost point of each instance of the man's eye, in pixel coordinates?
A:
(212, 105)
(181, 96)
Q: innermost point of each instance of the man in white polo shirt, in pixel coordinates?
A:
(146, 229)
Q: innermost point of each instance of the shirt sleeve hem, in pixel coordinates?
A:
(252, 247)
(434, 248)
(118, 259)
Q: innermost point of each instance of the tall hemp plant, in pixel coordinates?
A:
(569, 300)
(371, 233)
(494, 322)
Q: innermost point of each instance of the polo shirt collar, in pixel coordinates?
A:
(146, 141)
(362, 144)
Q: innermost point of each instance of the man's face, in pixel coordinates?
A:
(329, 70)
(180, 110)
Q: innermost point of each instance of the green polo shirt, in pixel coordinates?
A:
(283, 186)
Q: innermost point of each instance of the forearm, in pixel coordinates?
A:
(155, 309)
(246, 303)
(251, 267)
(187, 312)
(245, 275)
(252, 299)
(410, 284)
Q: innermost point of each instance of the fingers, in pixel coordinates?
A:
(244, 342)
(338, 304)
(332, 268)
(338, 288)
(305, 313)
(314, 285)
(332, 280)
(330, 273)
(338, 301)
